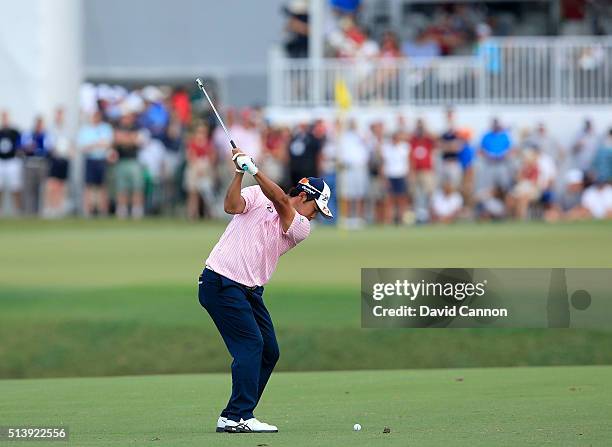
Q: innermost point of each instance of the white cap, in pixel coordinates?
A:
(152, 94)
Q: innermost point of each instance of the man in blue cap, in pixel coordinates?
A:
(266, 224)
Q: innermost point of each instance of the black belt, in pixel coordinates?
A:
(246, 287)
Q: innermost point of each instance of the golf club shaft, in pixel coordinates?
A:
(201, 86)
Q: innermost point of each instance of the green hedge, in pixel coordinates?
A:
(163, 329)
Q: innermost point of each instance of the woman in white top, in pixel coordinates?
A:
(61, 152)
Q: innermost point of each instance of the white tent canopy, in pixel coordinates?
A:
(40, 59)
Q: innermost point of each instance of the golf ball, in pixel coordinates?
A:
(357, 427)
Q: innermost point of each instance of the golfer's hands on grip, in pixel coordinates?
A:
(243, 162)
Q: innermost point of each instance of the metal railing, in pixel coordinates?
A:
(516, 70)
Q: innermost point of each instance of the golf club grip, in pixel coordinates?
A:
(233, 144)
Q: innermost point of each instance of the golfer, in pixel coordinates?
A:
(266, 224)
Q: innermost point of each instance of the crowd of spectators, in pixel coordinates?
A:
(453, 29)
(429, 29)
(408, 174)
(151, 151)
(450, 31)
(34, 164)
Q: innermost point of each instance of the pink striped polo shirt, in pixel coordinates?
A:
(249, 249)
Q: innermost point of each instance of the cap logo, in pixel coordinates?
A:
(310, 188)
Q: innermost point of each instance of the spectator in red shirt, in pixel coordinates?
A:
(422, 178)
(201, 157)
(181, 105)
(389, 47)
(526, 190)
(448, 38)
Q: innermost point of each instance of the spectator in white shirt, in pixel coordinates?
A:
(395, 155)
(353, 155)
(584, 147)
(446, 204)
(597, 200)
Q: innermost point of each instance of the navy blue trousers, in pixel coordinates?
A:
(247, 330)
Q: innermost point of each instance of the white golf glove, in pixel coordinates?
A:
(244, 163)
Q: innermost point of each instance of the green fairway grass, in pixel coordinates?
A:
(557, 406)
(114, 298)
(109, 253)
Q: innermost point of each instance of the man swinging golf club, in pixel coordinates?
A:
(266, 224)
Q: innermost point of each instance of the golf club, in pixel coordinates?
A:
(201, 86)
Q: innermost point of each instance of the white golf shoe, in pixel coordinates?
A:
(221, 423)
(249, 426)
